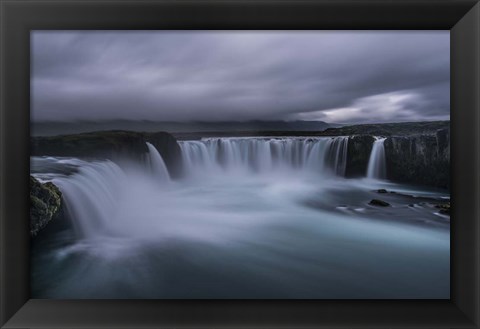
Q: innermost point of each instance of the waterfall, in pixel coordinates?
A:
(100, 192)
(90, 195)
(157, 164)
(257, 154)
(376, 164)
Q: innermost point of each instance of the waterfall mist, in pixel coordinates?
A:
(251, 218)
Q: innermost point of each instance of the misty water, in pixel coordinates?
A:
(250, 218)
(376, 168)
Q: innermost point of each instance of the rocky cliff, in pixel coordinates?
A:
(111, 145)
(416, 159)
(419, 159)
(416, 152)
(358, 154)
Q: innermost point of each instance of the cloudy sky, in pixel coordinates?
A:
(333, 76)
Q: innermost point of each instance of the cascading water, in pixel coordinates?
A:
(91, 196)
(377, 168)
(157, 164)
(260, 218)
(321, 154)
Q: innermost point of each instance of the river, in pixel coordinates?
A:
(250, 218)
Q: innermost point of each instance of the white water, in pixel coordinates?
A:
(322, 155)
(157, 164)
(91, 196)
(254, 218)
(377, 168)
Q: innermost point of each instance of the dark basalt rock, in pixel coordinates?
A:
(416, 152)
(111, 145)
(358, 154)
(443, 143)
(379, 203)
(107, 144)
(45, 204)
(382, 190)
(419, 159)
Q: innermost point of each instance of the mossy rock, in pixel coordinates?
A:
(45, 204)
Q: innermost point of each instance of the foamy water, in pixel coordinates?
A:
(256, 218)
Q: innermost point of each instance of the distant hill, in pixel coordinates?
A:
(375, 129)
(390, 129)
(61, 128)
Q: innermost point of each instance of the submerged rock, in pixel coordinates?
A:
(444, 208)
(379, 203)
(382, 190)
(45, 204)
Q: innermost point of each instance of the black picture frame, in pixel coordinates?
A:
(19, 17)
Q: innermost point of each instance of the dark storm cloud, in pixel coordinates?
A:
(332, 76)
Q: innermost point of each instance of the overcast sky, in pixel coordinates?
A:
(341, 77)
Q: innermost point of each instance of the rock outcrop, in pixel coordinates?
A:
(111, 145)
(379, 203)
(416, 152)
(45, 204)
(444, 208)
(419, 159)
